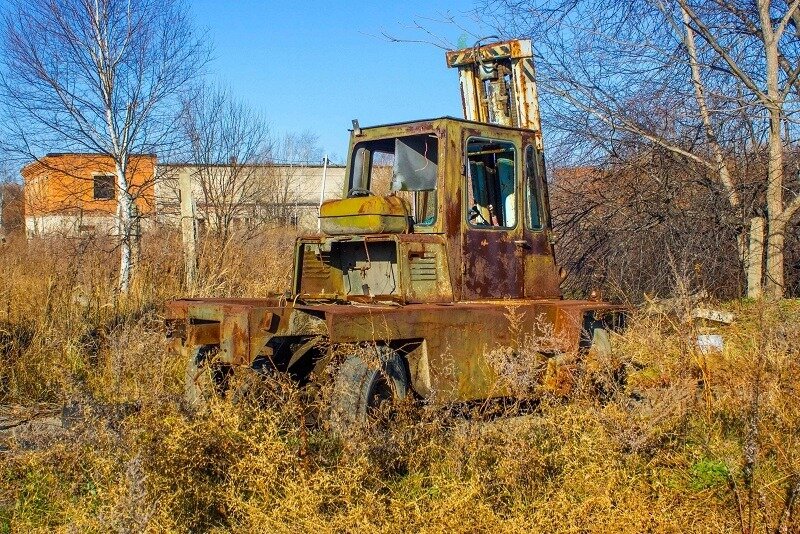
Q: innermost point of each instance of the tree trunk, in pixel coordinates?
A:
(775, 226)
(775, 244)
(126, 252)
(746, 249)
(755, 258)
(125, 211)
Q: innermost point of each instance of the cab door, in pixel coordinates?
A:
(492, 240)
(541, 272)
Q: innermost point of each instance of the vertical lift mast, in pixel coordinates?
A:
(498, 84)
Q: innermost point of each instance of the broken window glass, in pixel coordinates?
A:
(491, 186)
(404, 166)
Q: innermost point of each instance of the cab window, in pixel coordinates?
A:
(491, 183)
(403, 166)
(533, 190)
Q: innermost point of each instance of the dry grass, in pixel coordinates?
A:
(695, 442)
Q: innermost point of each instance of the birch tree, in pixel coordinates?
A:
(102, 76)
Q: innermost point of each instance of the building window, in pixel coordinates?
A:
(104, 186)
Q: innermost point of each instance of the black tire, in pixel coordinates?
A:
(360, 390)
(205, 378)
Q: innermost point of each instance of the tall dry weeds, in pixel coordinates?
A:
(695, 441)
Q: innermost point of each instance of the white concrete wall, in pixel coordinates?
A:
(304, 182)
(76, 224)
(304, 186)
(69, 225)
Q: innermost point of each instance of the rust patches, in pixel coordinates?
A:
(454, 286)
(492, 269)
(234, 339)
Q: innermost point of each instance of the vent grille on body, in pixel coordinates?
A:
(423, 268)
(316, 264)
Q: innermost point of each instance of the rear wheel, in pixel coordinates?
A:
(366, 386)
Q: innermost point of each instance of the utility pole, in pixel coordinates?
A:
(188, 229)
(322, 189)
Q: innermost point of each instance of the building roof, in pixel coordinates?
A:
(41, 161)
(135, 155)
(271, 164)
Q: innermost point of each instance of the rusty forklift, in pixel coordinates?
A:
(444, 226)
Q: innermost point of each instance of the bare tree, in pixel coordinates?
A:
(230, 144)
(715, 83)
(627, 226)
(103, 76)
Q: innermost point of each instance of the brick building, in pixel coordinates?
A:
(73, 194)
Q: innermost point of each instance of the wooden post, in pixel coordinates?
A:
(755, 258)
(2, 210)
(188, 229)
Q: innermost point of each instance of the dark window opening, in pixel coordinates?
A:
(491, 176)
(403, 166)
(104, 187)
(533, 189)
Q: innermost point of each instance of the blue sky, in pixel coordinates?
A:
(317, 65)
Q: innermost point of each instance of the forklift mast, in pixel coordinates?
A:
(498, 84)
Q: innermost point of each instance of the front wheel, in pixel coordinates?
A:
(366, 385)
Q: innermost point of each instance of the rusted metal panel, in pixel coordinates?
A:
(203, 334)
(234, 341)
(541, 273)
(240, 327)
(262, 324)
(425, 271)
(492, 269)
(527, 98)
(459, 336)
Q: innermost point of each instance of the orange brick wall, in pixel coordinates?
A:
(64, 183)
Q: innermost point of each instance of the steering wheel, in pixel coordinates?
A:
(359, 192)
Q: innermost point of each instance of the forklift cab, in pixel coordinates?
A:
(479, 187)
(458, 207)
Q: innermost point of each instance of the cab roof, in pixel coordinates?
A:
(446, 118)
